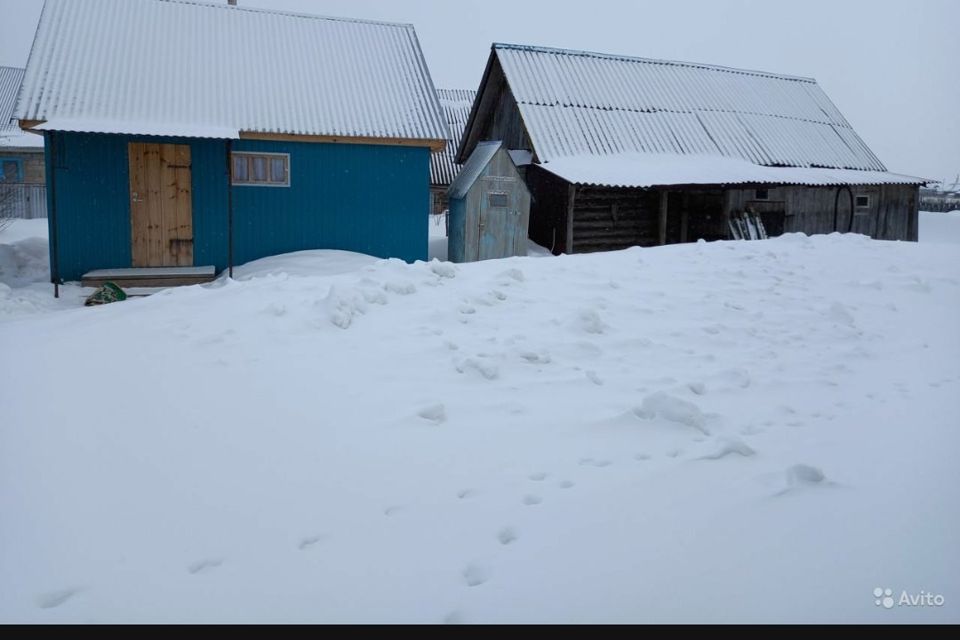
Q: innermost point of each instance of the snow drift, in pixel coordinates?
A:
(742, 431)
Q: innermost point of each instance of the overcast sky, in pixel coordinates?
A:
(891, 66)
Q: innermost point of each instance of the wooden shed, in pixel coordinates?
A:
(489, 207)
(632, 151)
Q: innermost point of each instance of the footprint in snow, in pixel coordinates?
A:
(594, 378)
(804, 476)
(540, 476)
(592, 462)
(454, 617)
(54, 599)
(392, 511)
(731, 447)
(507, 535)
(306, 543)
(531, 500)
(567, 484)
(204, 566)
(474, 575)
(642, 457)
(435, 413)
(466, 494)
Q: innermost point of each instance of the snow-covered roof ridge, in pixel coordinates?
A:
(626, 58)
(193, 65)
(284, 12)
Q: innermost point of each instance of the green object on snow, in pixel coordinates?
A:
(106, 294)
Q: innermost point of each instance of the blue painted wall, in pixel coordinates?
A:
(366, 198)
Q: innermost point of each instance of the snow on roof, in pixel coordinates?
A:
(10, 79)
(456, 104)
(10, 133)
(645, 170)
(184, 65)
(472, 168)
(577, 103)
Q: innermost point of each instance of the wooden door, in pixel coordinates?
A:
(161, 205)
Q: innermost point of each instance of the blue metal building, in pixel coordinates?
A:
(165, 157)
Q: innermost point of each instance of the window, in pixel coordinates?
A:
(261, 169)
(762, 194)
(498, 199)
(863, 202)
(11, 170)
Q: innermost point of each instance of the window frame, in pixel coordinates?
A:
(268, 157)
(856, 201)
(765, 197)
(18, 178)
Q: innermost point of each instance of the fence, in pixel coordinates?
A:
(939, 204)
(27, 201)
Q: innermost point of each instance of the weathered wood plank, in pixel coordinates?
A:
(156, 251)
(184, 204)
(169, 227)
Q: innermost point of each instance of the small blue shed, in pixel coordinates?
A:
(182, 135)
(489, 207)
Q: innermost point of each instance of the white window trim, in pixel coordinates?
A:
(861, 206)
(247, 154)
(756, 194)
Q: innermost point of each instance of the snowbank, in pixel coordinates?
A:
(738, 431)
(321, 262)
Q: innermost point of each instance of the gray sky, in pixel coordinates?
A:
(891, 66)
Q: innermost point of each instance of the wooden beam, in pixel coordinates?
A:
(571, 199)
(27, 125)
(434, 145)
(664, 198)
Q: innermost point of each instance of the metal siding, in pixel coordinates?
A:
(581, 103)
(243, 69)
(365, 198)
(93, 194)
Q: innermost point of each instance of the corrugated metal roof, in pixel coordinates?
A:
(10, 78)
(456, 105)
(472, 168)
(10, 133)
(645, 170)
(191, 65)
(575, 103)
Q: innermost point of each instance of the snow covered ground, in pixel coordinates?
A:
(940, 227)
(726, 432)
